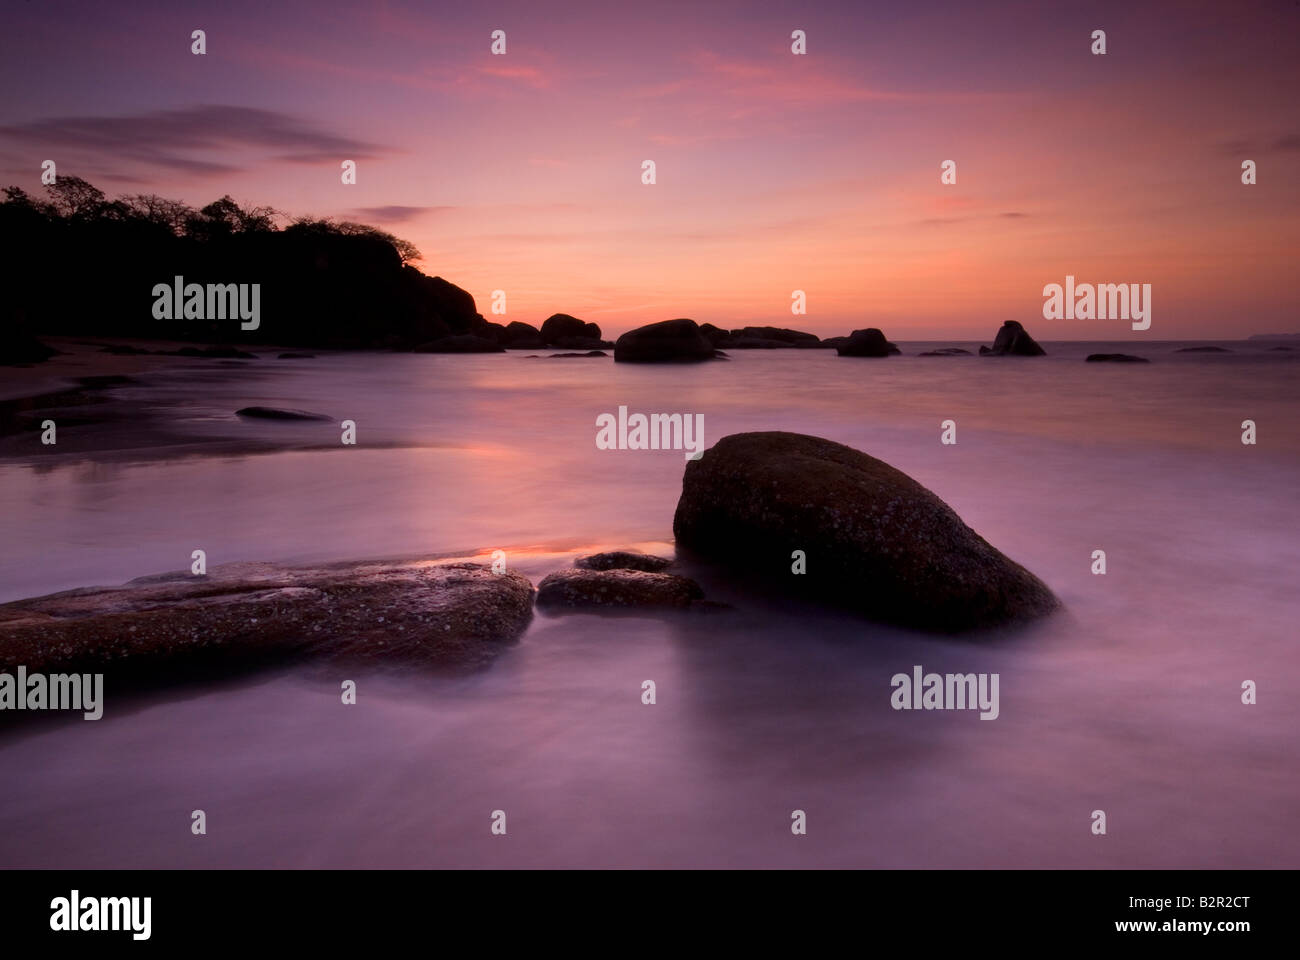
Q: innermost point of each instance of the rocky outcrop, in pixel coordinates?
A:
(1115, 358)
(1012, 340)
(668, 341)
(559, 326)
(765, 338)
(874, 539)
(522, 336)
(424, 612)
(866, 343)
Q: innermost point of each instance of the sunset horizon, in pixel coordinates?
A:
(521, 171)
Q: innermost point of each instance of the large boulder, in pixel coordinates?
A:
(866, 343)
(1012, 340)
(561, 326)
(875, 540)
(616, 588)
(668, 341)
(426, 612)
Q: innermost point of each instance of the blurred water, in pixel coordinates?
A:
(1129, 701)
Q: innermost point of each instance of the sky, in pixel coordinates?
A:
(775, 172)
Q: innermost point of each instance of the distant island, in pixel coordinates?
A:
(87, 266)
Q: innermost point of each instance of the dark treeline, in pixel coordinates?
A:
(81, 264)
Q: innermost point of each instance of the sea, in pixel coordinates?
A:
(1129, 701)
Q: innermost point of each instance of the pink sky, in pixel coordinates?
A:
(775, 172)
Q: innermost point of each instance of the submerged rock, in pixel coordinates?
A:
(668, 341)
(616, 588)
(1115, 358)
(426, 612)
(1013, 340)
(874, 539)
(274, 413)
(947, 352)
(1202, 350)
(622, 560)
(297, 356)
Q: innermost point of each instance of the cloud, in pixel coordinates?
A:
(394, 213)
(164, 138)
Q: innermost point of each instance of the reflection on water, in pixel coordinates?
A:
(1127, 702)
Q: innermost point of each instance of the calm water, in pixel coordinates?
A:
(1127, 702)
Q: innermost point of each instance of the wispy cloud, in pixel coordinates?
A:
(167, 138)
(395, 213)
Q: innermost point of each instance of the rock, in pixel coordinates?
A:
(581, 343)
(1284, 349)
(616, 588)
(1115, 358)
(876, 540)
(461, 343)
(768, 338)
(522, 336)
(125, 350)
(297, 356)
(487, 330)
(1203, 350)
(622, 560)
(755, 343)
(1012, 340)
(947, 352)
(835, 342)
(589, 353)
(715, 335)
(273, 413)
(668, 341)
(427, 612)
(865, 343)
(561, 325)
